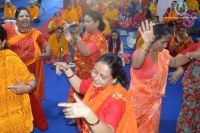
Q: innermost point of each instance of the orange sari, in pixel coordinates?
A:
(147, 89)
(15, 111)
(185, 43)
(128, 122)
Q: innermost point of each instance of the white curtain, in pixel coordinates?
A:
(162, 7)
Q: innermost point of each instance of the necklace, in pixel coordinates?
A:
(23, 30)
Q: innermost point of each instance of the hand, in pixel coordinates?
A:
(146, 31)
(20, 87)
(174, 76)
(75, 110)
(44, 56)
(61, 66)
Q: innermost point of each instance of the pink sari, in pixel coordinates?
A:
(147, 89)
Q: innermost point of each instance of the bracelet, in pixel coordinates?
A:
(70, 76)
(188, 57)
(94, 123)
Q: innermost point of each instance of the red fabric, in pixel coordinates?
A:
(38, 114)
(92, 48)
(192, 48)
(41, 40)
(111, 112)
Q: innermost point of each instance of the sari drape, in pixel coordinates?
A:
(147, 89)
(128, 122)
(15, 111)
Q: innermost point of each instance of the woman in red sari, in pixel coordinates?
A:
(149, 73)
(26, 42)
(106, 106)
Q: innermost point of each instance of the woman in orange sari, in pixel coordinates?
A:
(59, 45)
(180, 42)
(55, 23)
(149, 73)
(16, 82)
(26, 42)
(106, 106)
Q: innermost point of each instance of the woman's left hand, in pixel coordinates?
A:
(20, 87)
(75, 110)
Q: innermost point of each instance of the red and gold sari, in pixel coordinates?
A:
(127, 124)
(147, 89)
(28, 49)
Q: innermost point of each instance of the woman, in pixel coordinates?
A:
(149, 73)
(59, 45)
(26, 42)
(180, 42)
(55, 23)
(91, 46)
(106, 105)
(16, 82)
(88, 48)
(115, 45)
(188, 120)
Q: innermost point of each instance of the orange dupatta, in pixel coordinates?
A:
(128, 122)
(147, 89)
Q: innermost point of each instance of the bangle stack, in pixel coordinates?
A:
(94, 124)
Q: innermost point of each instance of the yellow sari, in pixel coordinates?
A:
(15, 111)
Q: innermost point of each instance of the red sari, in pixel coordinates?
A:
(27, 46)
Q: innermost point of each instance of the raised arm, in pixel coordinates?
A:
(146, 31)
(74, 80)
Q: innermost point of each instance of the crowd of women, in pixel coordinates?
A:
(98, 100)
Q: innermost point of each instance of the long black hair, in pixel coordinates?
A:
(3, 34)
(115, 64)
(97, 17)
(110, 43)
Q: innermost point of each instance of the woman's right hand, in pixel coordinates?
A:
(61, 66)
(146, 31)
